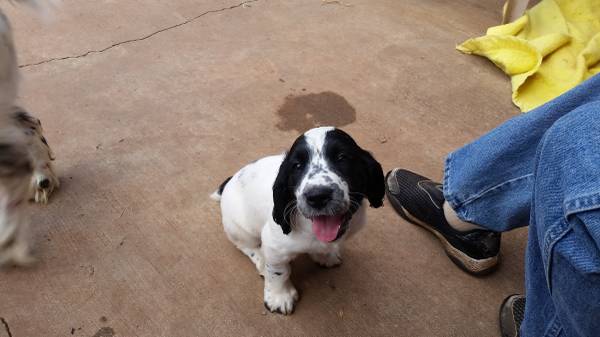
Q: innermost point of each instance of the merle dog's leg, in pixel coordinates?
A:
(15, 174)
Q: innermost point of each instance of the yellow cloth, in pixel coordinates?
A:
(549, 50)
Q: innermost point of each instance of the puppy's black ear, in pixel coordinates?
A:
(375, 182)
(282, 197)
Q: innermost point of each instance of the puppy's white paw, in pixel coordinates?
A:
(281, 301)
(44, 182)
(328, 260)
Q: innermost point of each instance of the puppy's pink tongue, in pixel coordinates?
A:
(326, 227)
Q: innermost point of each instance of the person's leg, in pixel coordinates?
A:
(488, 183)
(563, 254)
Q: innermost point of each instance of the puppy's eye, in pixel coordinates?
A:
(297, 165)
(342, 157)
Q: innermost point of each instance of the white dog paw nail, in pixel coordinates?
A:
(281, 302)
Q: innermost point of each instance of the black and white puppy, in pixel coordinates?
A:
(306, 201)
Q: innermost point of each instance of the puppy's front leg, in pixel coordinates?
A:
(280, 294)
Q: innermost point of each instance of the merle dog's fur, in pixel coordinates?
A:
(25, 156)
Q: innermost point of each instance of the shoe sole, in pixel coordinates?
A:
(507, 323)
(472, 266)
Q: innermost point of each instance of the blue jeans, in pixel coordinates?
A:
(543, 169)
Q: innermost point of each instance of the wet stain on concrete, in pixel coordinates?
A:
(304, 112)
(105, 332)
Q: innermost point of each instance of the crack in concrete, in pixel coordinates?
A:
(6, 327)
(99, 51)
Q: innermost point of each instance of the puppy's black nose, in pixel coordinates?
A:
(318, 197)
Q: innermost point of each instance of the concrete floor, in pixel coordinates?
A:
(146, 129)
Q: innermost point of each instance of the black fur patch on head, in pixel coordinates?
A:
(356, 166)
(291, 171)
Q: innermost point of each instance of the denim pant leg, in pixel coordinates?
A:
(563, 253)
(490, 181)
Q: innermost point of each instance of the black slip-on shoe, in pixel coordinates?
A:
(512, 312)
(420, 201)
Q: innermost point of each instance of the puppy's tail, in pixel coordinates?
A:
(216, 196)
